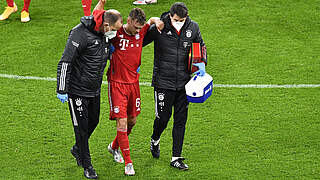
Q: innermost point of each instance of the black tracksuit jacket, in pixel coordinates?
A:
(171, 53)
(81, 68)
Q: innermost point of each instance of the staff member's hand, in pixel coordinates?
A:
(202, 69)
(62, 97)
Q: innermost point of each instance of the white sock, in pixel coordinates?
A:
(174, 158)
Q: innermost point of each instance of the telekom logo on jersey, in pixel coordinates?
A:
(124, 43)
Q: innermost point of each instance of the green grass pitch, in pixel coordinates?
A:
(238, 133)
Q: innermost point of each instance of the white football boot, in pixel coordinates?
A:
(128, 170)
(116, 154)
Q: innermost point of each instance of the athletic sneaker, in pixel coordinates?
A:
(150, 1)
(128, 170)
(139, 2)
(155, 148)
(90, 173)
(9, 10)
(178, 163)
(75, 153)
(25, 16)
(116, 154)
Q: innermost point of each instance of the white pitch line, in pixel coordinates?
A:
(215, 85)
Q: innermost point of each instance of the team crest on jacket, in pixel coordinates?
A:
(188, 33)
(78, 102)
(137, 36)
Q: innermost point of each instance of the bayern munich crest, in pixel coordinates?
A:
(161, 96)
(137, 36)
(116, 109)
(188, 33)
(78, 102)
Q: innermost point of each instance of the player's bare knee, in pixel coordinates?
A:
(122, 123)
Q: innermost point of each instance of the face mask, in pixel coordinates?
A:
(110, 34)
(178, 25)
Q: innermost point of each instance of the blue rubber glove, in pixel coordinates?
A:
(111, 49)
(63, 97)
(138, 69)
(202, 69)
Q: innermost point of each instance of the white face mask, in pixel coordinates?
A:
(178, 25)
(110, 34)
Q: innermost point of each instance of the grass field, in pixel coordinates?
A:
(239, 133)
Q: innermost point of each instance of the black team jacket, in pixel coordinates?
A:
(81, 68)
(171, 52)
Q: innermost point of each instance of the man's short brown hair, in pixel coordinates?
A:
(138, 14)
(111, 16)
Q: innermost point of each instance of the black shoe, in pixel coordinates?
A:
(179, 164)
(75, 153)
(90, 173)
(155, 149)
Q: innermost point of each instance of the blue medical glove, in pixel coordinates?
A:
(138, 69)
(111, 49)
(202, 69)
(63, 97)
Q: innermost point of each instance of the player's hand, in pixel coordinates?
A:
(103, 1)
(202, 69)
(159, 25)
(62, 97)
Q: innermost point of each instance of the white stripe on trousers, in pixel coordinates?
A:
(74, 118)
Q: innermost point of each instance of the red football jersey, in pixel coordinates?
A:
(127, 56)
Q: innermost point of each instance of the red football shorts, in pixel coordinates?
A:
(124, 100)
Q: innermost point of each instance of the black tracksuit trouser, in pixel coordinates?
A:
(85, 113)
(164, 101)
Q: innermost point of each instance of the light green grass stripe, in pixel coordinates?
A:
(216, 85)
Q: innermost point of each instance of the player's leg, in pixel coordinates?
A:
(25, 16)
(116, 110)
(134, 105)
(86, 5)
(164, 100)
(79, 110)
(123, 140)
(10, 3)
(131, 122)
(180, 119)
(11, 8)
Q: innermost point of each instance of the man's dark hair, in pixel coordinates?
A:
(138, 14)
(111, 16)
(180, 9)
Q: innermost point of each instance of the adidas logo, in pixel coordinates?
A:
(176, 164)
(96, 42)
(169, 33)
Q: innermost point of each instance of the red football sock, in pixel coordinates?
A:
(26, 5)
(115, 144)
(124, 146)
(10, 3)
(86, 5)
